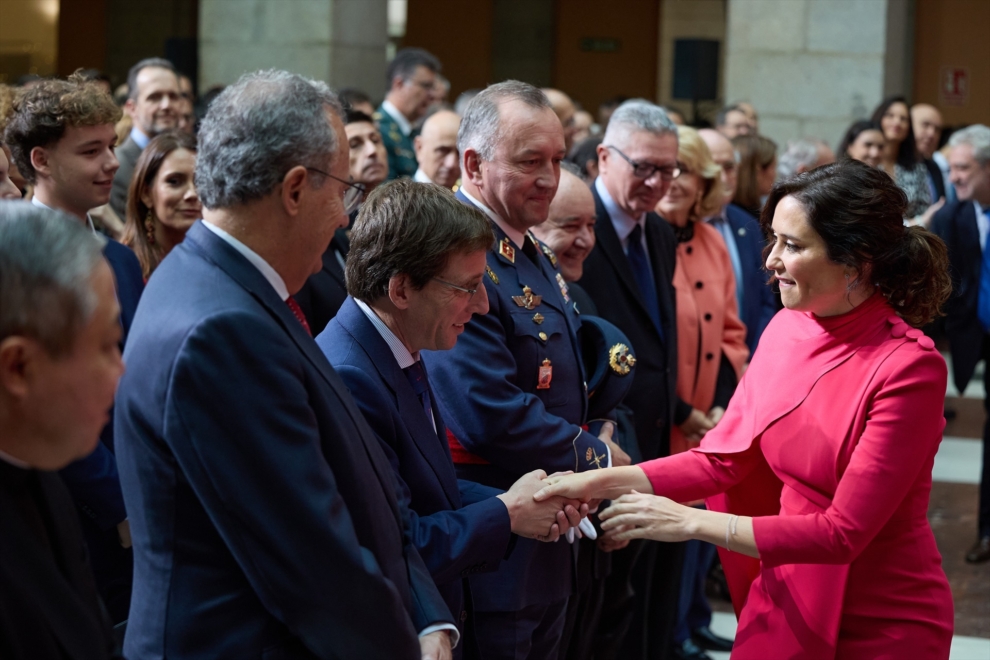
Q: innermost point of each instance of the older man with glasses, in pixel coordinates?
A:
(629, 275)
(265, 515)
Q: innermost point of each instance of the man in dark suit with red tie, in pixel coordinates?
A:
(629, 275)
(964, 225)
(264, 513)
(59, 366)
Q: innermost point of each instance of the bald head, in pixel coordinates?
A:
(436, 148)
(927, 123)
(724, 156)
(570, 227)
(563, 107)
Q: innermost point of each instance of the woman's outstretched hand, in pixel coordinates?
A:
(571, 486)
(641, 516)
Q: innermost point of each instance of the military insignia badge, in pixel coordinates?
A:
(596, 458)
(527, 299)
(537, 318)
(545, 376)
(550, 255)
(563, 288)
(620, 359)
(588, 454)
(491, 274)
(506, 250)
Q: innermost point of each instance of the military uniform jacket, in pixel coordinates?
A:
(401, 154)
(488, 390)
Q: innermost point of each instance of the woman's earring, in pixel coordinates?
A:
(149, 227)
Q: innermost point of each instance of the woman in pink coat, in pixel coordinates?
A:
(818, 477)
(711, 340)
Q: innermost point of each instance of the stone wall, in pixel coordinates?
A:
(342, 42)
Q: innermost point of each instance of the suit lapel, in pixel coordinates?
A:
(215, 249)
(434, 451)
(662, 272)
(51, 590)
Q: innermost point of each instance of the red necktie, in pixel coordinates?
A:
(298, 313)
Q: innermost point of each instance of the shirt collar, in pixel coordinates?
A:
(140, 139)
(622, 221)
(263, 266)
(399, 118)
(721, 216)
(516, 236)
(89, 221)
(399, 350)
(16, 462)
(420, 176)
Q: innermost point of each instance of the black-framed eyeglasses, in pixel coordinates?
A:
(470, 292)
(354, 194)
(647, 170)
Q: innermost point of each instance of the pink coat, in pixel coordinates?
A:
(707, 321)
(829, 443)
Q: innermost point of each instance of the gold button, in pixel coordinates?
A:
(543, 336)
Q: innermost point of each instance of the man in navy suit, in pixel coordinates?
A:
(512, 391)
(415, 278)
(744, 241)
(62, 138)
(964, 225)
(264, 513)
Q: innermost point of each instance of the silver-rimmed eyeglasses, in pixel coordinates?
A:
(647, 170)
(470, 292)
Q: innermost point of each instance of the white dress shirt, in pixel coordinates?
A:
(420, 176)
(622, 221)
(263, 266)
(397, 115)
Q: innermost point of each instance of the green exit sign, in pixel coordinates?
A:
(600, 45)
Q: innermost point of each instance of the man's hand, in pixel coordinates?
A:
(124, 532)
(545, 521)
(715, 415)
(436, 646)
(619, 457)
(696, 425)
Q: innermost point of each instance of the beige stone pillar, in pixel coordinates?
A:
(342, 42)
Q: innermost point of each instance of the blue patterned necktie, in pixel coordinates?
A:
(417, 378)
(644, 278)
(983, 298)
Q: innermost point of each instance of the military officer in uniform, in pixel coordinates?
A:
(512, 390)
(411, 77)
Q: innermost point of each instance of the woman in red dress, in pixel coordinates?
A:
(818, 477)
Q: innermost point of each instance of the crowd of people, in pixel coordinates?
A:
(484, 379)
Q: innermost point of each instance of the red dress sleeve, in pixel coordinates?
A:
(902, 433)
(696, 474)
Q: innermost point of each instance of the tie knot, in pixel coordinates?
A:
(636, 234)
(417, 377)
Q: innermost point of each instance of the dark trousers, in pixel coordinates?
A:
(984, 516)
(693, 611)
(584, 608)
(532, 633)
(640, 607)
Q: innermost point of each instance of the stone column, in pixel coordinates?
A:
(812, 67)
(341, 42)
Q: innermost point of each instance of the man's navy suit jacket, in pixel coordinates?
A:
(263, 510)
(759, 305)
(487, 391)
(93, 481)
(956, 224)
(459, 527)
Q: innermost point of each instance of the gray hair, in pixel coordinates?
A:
(637, 115)
(799, 153)
(149, 62)
(976, 136)
(46, 262)
(481, 127)
(258, 129)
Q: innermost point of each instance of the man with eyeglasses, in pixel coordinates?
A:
(411, 79)
(416, 278)
(629, 276)
(265, 515)
(744, 240)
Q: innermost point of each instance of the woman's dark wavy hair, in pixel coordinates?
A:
(907, 153)
(858, 127)
(858, 210)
